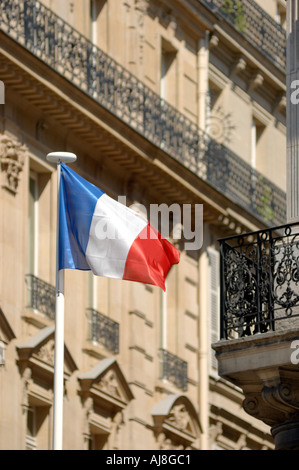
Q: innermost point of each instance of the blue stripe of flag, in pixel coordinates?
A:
(78, 199)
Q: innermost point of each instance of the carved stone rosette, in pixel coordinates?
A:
(12, 158)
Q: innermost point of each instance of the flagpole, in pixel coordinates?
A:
(58, 158)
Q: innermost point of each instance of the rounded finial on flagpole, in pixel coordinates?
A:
(64, 157)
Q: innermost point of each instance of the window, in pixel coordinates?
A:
(257, 130)
(281, 14)
(36, 358)
(213, 96)
(164, 69)
(97, 441)
(33, 224)
(214, 305)
(168, 81)
(40, 221)
(99, 15)
(38, 436)
(31, 429)
(40, 239)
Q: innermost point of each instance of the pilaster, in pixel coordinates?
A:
(292, 81)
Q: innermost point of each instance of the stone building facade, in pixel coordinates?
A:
(163, 102)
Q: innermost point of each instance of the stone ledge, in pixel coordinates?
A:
(255, 352)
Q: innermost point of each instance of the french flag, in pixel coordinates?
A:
(100, 234)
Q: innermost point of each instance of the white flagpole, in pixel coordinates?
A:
(59, 157)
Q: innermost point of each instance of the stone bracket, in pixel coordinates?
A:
(281, 398)
(273, 405)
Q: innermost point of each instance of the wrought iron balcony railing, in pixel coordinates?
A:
(174, 369)
(260, 282)
(259, 28)
(41, 296)
(75, 58)
(103, 330)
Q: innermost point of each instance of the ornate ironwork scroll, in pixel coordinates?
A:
(286, 271)
(174, 369)
(259, 281)
(103, 330)
(41, 296)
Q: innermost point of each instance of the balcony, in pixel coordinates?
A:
(259, 28)
(71, 55)
(260, 282)
(258, 349)
(103, 330)
(41, 296)
(174, 369)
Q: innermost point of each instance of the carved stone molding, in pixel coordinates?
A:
(165, 443)
(12, 158)
(46, 352)
(214, 41)
(176, 423)
(105, 393)
(280, 103)
(262, 366)
(27, 382)
(256, 81)
(214, 432)
(273, 405)
(106, 383)
(37, 354)
(238, 66)
(142, 5)
(282, 398)
(179, 417)
(110, 384)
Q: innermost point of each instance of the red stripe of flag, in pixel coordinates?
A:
(150, 258)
